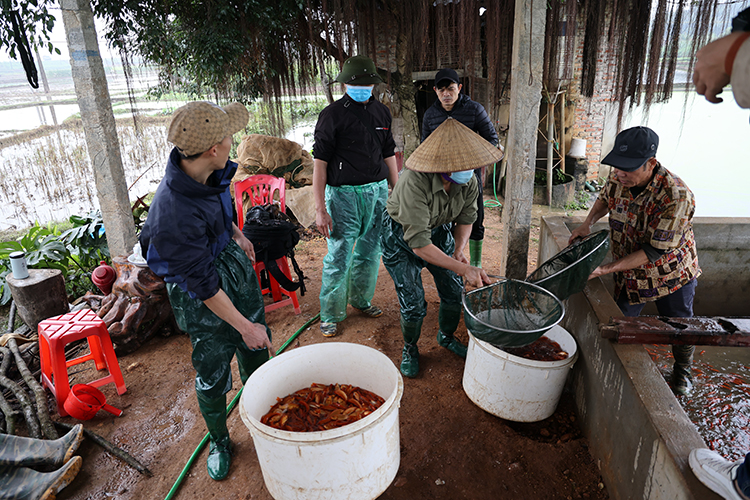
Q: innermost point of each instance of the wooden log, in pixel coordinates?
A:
(40, 296)
(718, 331)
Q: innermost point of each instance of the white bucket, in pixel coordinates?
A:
(577, 148)
(359, 460)
(515, 388)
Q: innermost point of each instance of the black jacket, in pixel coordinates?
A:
(466, 111)
(342, 139)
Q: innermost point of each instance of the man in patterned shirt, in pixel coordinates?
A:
(653, 247)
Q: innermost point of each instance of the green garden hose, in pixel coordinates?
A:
(232, 404)
(493, 203)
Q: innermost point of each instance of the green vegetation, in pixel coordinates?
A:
(580, 202)
(75, 252)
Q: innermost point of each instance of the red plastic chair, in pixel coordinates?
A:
(261, 190)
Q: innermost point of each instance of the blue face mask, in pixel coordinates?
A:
(359, 94)
(461, 177)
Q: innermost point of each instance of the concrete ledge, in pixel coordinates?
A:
(638, 432)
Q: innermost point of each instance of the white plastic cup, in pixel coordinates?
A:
(18, 265)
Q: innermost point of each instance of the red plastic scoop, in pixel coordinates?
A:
(84, 401)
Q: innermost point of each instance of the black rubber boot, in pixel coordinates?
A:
(448, 318)
(410, 355)
(682, 375)
(27, 484)
(27, 452)
(214, 412)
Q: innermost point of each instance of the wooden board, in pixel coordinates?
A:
(715, 330)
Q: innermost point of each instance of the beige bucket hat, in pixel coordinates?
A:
(453, 147)
(198, 125)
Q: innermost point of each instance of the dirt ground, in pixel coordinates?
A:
(450, 448)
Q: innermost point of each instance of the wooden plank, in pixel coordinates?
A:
(717, 330)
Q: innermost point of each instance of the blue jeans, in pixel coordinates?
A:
(743, 476)
(678, 304)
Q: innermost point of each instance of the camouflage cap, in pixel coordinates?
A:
(198, 125)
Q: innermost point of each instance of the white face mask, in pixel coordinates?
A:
(461, 177)
(359, 93)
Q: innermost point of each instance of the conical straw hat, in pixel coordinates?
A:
(453, 147)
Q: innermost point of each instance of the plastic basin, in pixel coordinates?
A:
(515, 388)
(359, 460)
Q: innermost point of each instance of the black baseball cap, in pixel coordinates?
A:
(446, 74)
(633, 147)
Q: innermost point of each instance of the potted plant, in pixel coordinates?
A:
(563, 188)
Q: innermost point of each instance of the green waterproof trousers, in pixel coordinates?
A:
(350, 269)
(214, 341)
(406, 270)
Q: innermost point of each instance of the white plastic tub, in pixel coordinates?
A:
(515, 388)
(359, 460)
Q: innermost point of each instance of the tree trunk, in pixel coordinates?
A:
(40, 296)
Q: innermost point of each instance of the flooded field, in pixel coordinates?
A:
(49, 178)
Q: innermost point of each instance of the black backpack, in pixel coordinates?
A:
(273, 235)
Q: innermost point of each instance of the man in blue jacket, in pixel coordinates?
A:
(190, 240)
(452, 103)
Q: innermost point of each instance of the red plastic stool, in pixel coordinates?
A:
(56, 332)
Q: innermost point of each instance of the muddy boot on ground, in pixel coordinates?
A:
(23, 483)
(410, 356)
(214, 412)
(28, 452)
(682, 376)
(448, 318)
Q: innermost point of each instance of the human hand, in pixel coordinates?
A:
(324, 222)
(580, 232)
(246, 246)
(709, 75)
(459, 256)
(255, 336)
(476, 277)
(599, 271)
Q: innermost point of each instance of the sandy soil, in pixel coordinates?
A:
(450, 448)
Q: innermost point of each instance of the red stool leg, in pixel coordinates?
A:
(284, 266)
(95, 346)
(60, 381)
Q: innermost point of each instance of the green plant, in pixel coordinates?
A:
(579, 203)
(75, 252)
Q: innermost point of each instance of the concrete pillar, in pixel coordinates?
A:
(99, 124)
(525, 97)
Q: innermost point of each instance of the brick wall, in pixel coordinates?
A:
(591, 113)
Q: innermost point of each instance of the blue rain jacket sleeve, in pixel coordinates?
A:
(188, 226)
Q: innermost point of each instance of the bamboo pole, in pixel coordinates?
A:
(550, 140)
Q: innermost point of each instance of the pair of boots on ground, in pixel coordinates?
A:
(448, 318)
(21, 456)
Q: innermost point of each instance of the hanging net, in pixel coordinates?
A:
(567, 272)
(511, 313)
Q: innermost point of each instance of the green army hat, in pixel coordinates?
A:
(359, 70)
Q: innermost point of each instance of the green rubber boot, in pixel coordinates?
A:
(410, 355)
(475, 253)
(682, 375)
(27, 452)
(28, 484)
(448, 318)
(214, 412)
